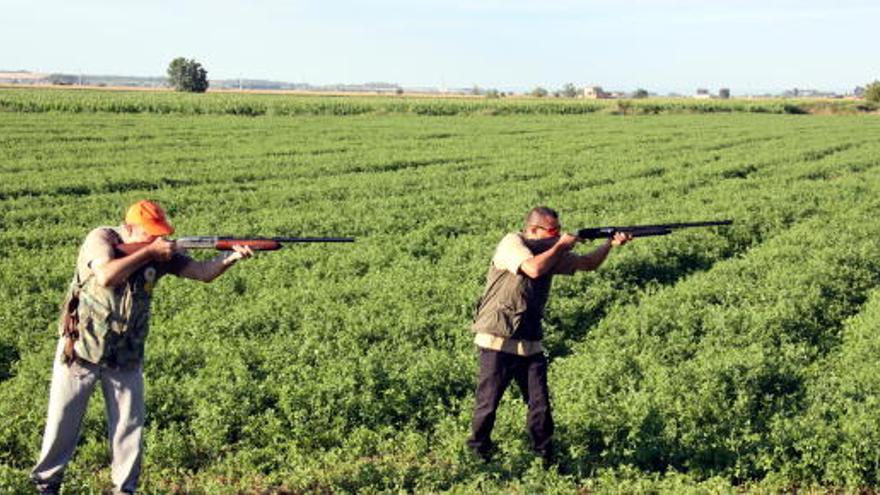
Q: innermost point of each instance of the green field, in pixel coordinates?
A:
(711, 360)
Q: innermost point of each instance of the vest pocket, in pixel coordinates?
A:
(502, 320)
(512, 317)
(94, 325)
(94, 328)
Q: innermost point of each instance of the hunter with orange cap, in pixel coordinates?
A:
(105, 322)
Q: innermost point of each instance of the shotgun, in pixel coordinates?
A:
(226, 243)
(593, 233)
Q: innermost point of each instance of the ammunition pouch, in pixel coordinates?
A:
(69, 324)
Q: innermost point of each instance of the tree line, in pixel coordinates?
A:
(190, 76)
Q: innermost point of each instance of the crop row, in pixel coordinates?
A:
(253, 105)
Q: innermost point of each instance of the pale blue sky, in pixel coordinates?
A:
(750, 46)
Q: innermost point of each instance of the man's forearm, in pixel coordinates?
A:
(219, 265)
(206, 271)
(117, 270)
(594, 260)
(544, 262)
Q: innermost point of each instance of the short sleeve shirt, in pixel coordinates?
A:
(98, 248)
(510, 254)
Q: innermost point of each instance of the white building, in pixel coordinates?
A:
(595, 93)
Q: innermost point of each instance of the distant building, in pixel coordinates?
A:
(595, 93)
(724, 93)
(703, 93)
(22, 77)
(809, 93)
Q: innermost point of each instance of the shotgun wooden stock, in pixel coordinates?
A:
(226, 243)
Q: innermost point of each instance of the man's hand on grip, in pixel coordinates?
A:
(567, 241)
(238, 252)
(620, 238)
(161, 249)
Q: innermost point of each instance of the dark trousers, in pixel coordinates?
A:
(530, 373)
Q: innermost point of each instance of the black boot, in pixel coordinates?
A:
(547, 456)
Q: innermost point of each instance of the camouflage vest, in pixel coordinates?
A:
(512, 305)
(114, 321)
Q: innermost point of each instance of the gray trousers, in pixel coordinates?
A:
(71, 388)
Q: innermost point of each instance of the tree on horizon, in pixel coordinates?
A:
(187, 75)
(872, 92)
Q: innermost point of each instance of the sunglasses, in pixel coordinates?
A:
(553, 231)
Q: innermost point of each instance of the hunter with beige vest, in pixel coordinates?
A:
(104, 326)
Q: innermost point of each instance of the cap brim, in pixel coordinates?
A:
(158, 228)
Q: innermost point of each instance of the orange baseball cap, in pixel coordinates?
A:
(150, 216)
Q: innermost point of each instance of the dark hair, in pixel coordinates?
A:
(537, 213)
